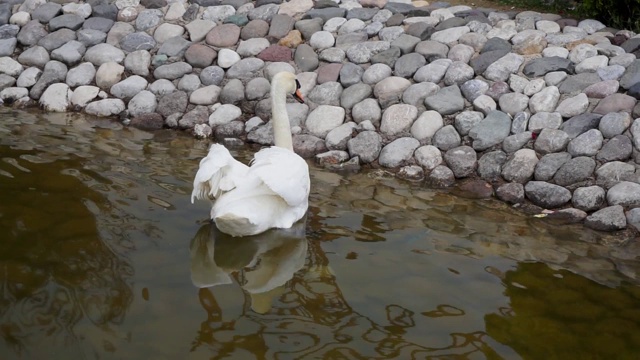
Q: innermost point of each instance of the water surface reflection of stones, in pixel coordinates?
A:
(501, 81)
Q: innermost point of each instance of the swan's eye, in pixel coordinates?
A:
(297, 84)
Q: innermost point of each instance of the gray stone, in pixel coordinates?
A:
(618, 148)
(129, 87)
(90, 37)
(549, 164)
(70, 53)
(575, 170)
(613, 124)
(462, 160)
(354, 94)
(546, 195)
(433, 72)
(481, 62)
(106, 107)
(367, 110)
(492, 130)
(69, 21)
(172, 71)
(83, 74)
(366, 146)
(611, 218)
(175, 102)
(416, 93)
(398, 152)
(103, 53)
(515, 142)
(586, 144)
(447, 101)
(46, 12)
(389, 91)
(408, 64)
(520, 166)
(137, 41)
(625, 193)
(588, 198)
(174, 47)
(578, 83)
(428, 156)
(144, 102)
(148, 19)
(363, 52)
(580, 124)
(54, 72)
(31, 33)
(446, 138)
(56, 39)
(490, 165)
(613, 172)
(376, 73)
(34, 56)
(474, 88)
(98, 23)
(213, 75)
(7, 46)
(631, 75)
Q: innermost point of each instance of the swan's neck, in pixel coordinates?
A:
(280, 119)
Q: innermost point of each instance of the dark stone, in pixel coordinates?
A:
(395, 20)
(574, 171)
(326, 14)
(631, 45)
(481, 62)
(148, 121)
(580, 124)
(109, 11)
(541, 66)
(153, 4)
(512, 193)
(98, 23)
(496, 43)
(421, 30)
(618, 148)
(387, 57)
(451, 23)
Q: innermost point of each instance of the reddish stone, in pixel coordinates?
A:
(275, 53)
(224, 35)
(200, 56)
(329, 72)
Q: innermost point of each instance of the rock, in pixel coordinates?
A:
(171, 103)
(613, 172)
(446, 138)
(618, 148)
(441, 176)
(462, 160)
(549, 164)
(586, 144)
(108, 74)
(337, 138)
(70, 53)
(490, 165)
(551, 140)
(512, 193)
(624, 193)
(34, 56)
(83, 95)
(103, 53)
(615, 103)
(54, 72)
(447, 101)
(492, 130)
(56, 98)
(588, 198)
(368, 109)
(147, 121)
(366, 146)
(398, 119)
(520, 166)
(376, 73)
(545, 120)
(389, 91)
(106, 107)
(575, 170)
(398, 152)
(580, 124)
(611, 218)
(428, 156)
(141, 104)
(129, 87)
(545, 100)
(602, 89)
(546, 195)
(82, 74)
(306, 58)
(503, 67)
(324, 119)
(172, 71)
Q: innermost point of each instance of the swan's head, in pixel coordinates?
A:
(287, 81)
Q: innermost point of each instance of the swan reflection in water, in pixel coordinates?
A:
(264, 262)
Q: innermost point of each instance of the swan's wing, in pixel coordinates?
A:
(219, 172)
(284, 172)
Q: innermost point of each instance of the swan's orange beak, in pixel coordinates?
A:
(298, 96)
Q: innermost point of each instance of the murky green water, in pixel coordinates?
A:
(102, 256)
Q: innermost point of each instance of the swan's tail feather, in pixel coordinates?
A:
(217, 174)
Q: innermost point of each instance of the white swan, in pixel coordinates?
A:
(273, 192)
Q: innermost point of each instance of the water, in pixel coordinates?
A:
(103, 256)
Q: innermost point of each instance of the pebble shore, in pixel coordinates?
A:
(533, 108)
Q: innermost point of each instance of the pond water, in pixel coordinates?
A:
(102, 255)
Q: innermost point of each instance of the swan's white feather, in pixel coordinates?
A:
(284, 172)
(219, 172)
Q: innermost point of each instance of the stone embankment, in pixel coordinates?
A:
(540, 107)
